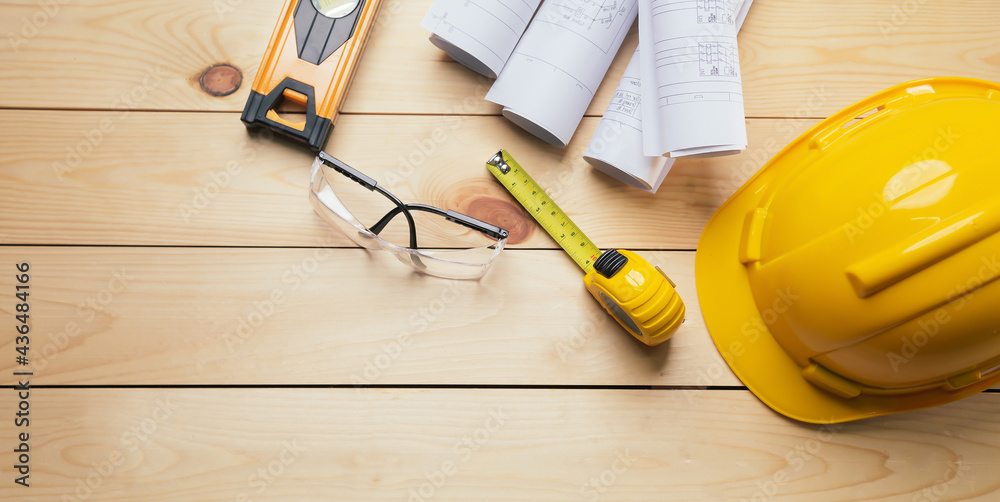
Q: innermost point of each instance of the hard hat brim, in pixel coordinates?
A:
(748, 347)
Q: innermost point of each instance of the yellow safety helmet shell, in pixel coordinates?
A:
(856, 274)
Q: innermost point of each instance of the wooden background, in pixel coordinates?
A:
(199, 334)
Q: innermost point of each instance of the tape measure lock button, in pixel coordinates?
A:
(609, 263)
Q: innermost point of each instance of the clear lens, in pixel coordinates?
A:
(452, 263)
(470, 263)
(329, 207)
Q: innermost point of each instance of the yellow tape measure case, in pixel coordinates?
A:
(637, 294)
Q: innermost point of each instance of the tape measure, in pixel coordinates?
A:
(638, 295)
(310, 61)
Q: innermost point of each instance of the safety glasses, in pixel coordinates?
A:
(332, 199)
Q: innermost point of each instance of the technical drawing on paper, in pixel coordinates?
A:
(601, 20)
(588, 13)
(626, 103)
(716, 11)
(718, 59)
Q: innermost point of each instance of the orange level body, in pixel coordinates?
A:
(310, 61)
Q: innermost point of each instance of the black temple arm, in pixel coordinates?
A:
(348, 171)
(459, 218)
(470, 222)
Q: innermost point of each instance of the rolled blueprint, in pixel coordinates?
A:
(692, 95)
(552, 75)
(479, 34)
(617, 146)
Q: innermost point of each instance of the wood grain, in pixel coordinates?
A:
(173, 252)
(799, 59)
(313, 316)
(498, 445)
(200, 179)
(116, 54)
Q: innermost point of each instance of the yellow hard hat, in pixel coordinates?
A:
(856, 274)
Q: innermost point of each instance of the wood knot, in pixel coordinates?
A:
(221, 79)
(503, 214)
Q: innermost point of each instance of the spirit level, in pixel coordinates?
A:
(638, 295)
(310, 61)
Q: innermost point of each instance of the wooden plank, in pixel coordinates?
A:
(256, 316)
(198, 179)
(811, 59)
(116, 54)
(799, 59)
(475, 444)
(803, 59)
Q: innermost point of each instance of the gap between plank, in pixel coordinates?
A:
(386, 114)
(410, 386)
(189, 246)
(388, 386)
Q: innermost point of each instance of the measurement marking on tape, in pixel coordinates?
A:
(544, 210)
